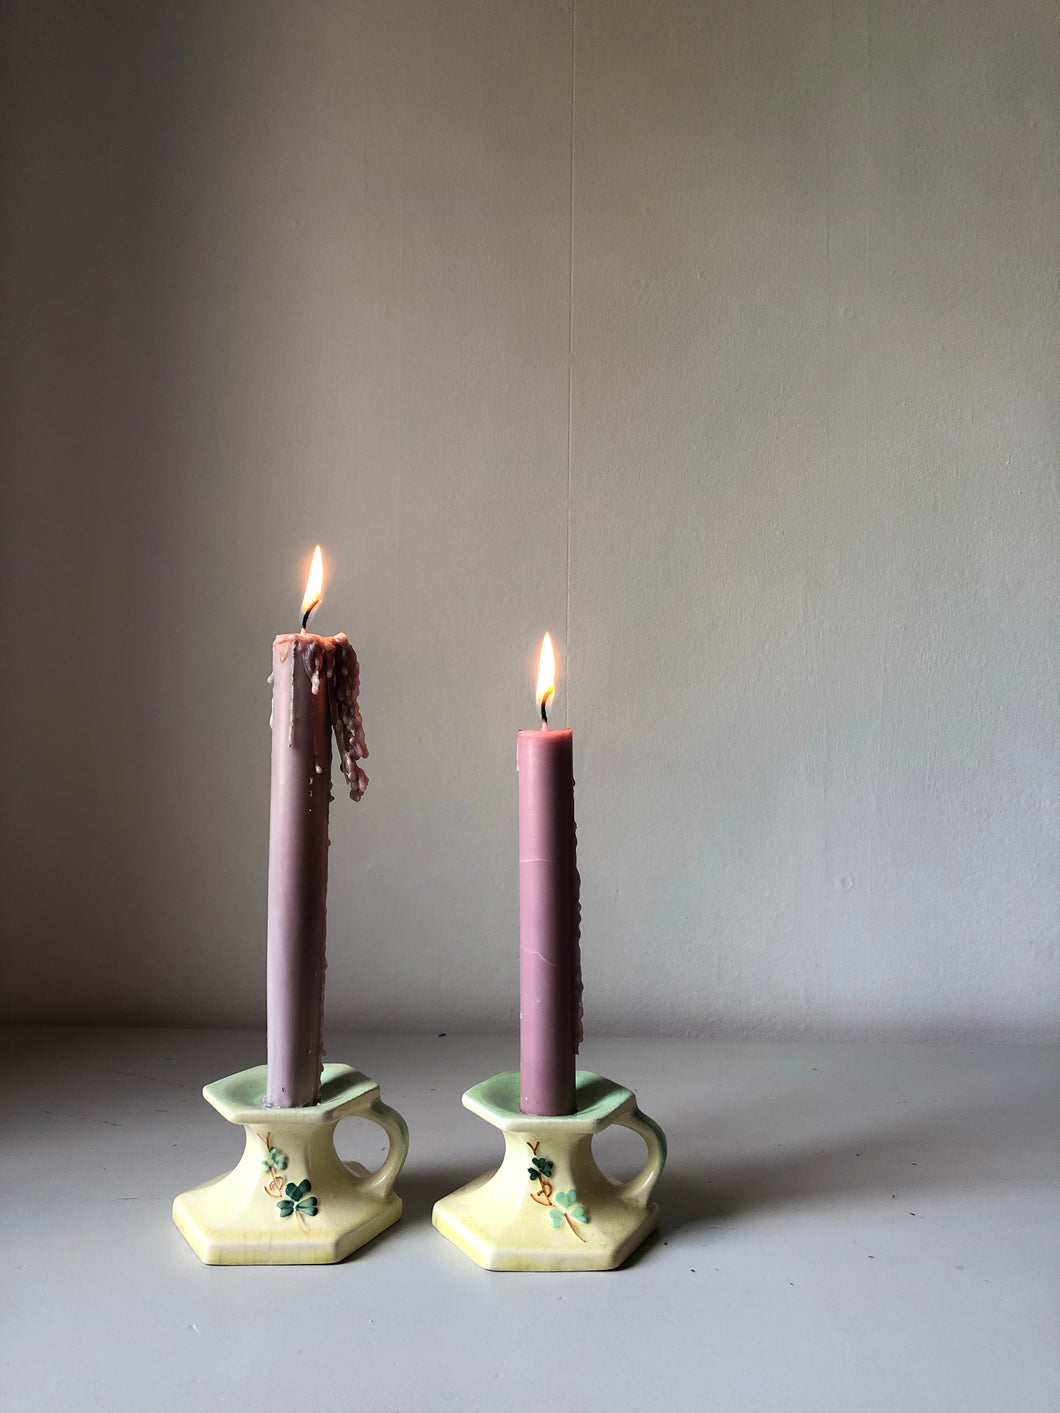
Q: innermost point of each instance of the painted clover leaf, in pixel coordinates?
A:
(573, 1207)
(542, 1169)
(556, 1218)
(297, 1200)
(273, 1163)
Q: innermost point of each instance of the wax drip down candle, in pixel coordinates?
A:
(315, 685)
(550, 984)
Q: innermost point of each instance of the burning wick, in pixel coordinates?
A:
(314, 587)
(546, 680)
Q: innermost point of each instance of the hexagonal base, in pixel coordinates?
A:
(291, 1200)
(467, 1218)
(220, 1234)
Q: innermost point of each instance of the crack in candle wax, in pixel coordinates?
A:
(533, 952)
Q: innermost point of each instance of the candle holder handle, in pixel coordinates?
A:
(640, 1188)
(381, 1183)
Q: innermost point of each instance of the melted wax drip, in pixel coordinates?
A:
(336, 659)
(344, 687)
(579, 1031)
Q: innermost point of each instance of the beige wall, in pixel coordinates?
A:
(718, 338)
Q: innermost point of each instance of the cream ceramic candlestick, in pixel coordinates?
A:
(548, 1207)
(291, 1200)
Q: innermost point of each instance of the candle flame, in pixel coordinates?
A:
(314, 586)
(546, 677)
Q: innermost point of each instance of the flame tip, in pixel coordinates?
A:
(546, 674)
(314, 584)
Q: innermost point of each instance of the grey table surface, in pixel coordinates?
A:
(858, 1228)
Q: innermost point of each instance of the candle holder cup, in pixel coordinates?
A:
(291, 1200)
(548, 1207)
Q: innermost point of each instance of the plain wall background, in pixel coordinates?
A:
(718, 338)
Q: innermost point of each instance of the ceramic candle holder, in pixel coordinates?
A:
(548, 1207)
(291, 1200)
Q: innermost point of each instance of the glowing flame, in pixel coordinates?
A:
(314, 585)
(546, 676)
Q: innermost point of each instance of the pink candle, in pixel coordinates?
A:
(315, 682)
(549, 956)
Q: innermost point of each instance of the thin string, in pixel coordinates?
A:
(570, 345)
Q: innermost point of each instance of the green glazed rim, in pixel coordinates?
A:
(598, 1101)
(240, 1098)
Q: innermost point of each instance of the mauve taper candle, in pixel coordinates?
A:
(315, 682)
(549, 954)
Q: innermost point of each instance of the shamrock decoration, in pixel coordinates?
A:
(297, 1200)
(275, 1162)
(563, 1207)
(573, 1209)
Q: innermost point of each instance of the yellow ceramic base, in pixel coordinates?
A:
(548, 1207)
(291, 1200)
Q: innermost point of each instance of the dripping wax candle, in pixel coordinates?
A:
(549, 961)
(315, 681)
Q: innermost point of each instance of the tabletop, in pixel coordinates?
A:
(847, 1227)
